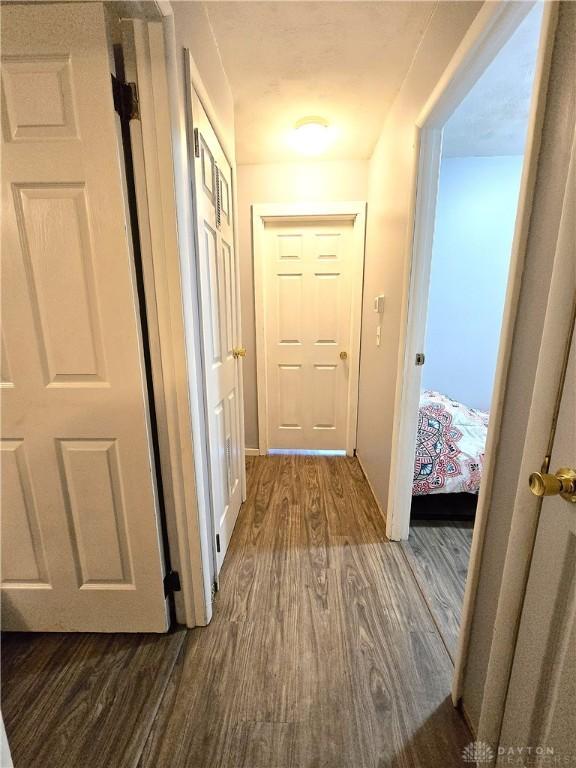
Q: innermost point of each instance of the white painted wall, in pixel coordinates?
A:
(389, 196)
(475, 216)
(282, 183)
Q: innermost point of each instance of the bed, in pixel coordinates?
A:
(450, 446)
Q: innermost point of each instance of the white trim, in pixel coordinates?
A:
(186, 233)
(260, 327)
(151, 142)
(242, 437)
(372, 491)
(492, 27)
(429, 145)
(251, 451)
(353, 211)
(193, 538)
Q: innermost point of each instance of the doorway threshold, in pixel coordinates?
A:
(303, 452)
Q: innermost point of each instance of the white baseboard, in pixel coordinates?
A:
(370, 486)
(252, 451)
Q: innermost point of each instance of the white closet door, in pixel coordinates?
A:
(80, 535)
(220, 325)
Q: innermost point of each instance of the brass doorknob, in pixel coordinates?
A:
(343, 355)
(563, 483)
(239, 352)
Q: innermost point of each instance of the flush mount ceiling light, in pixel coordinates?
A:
(311, 135)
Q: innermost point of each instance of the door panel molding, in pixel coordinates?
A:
(149, 51)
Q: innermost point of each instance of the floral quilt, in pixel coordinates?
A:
(450, 446)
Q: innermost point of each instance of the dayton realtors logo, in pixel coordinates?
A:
(478, 752)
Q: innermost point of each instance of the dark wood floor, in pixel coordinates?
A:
(322, 653)
(438, 552)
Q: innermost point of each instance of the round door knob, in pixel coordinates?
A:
(544, 485)
(563, 483)
(343, 355)
(239, 352)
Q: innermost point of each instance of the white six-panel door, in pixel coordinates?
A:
(217, 269)
(309, 278)
(80, 539)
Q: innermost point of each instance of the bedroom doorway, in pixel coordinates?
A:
(466, 234)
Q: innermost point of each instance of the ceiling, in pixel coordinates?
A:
(343, 61)
(493, 118)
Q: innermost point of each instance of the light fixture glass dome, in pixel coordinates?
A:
(311, 136)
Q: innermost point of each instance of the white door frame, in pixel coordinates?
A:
(265, 212)
(490, 30)
(199, 545)
(493, 26)
(145, 64)
(168, 185)
(183, 74)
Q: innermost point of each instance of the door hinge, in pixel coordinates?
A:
(125, 99)
(196, 143)
(172, 583)
(420, 358)
(217, 542)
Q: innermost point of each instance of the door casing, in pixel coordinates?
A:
(166, 172)
(490, 30)
(290, 212)
(177, 296)
(146, 64)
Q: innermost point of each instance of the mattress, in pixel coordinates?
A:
(450, 446)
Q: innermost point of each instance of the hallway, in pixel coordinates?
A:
(322, 652)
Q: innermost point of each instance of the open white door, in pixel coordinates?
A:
(540, 702)
(220, 321)
(80, 534)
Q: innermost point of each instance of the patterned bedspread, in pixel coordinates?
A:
(450, 446)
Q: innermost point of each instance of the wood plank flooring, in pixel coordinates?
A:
(439, 552)
(322, 654)
(83, 699)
